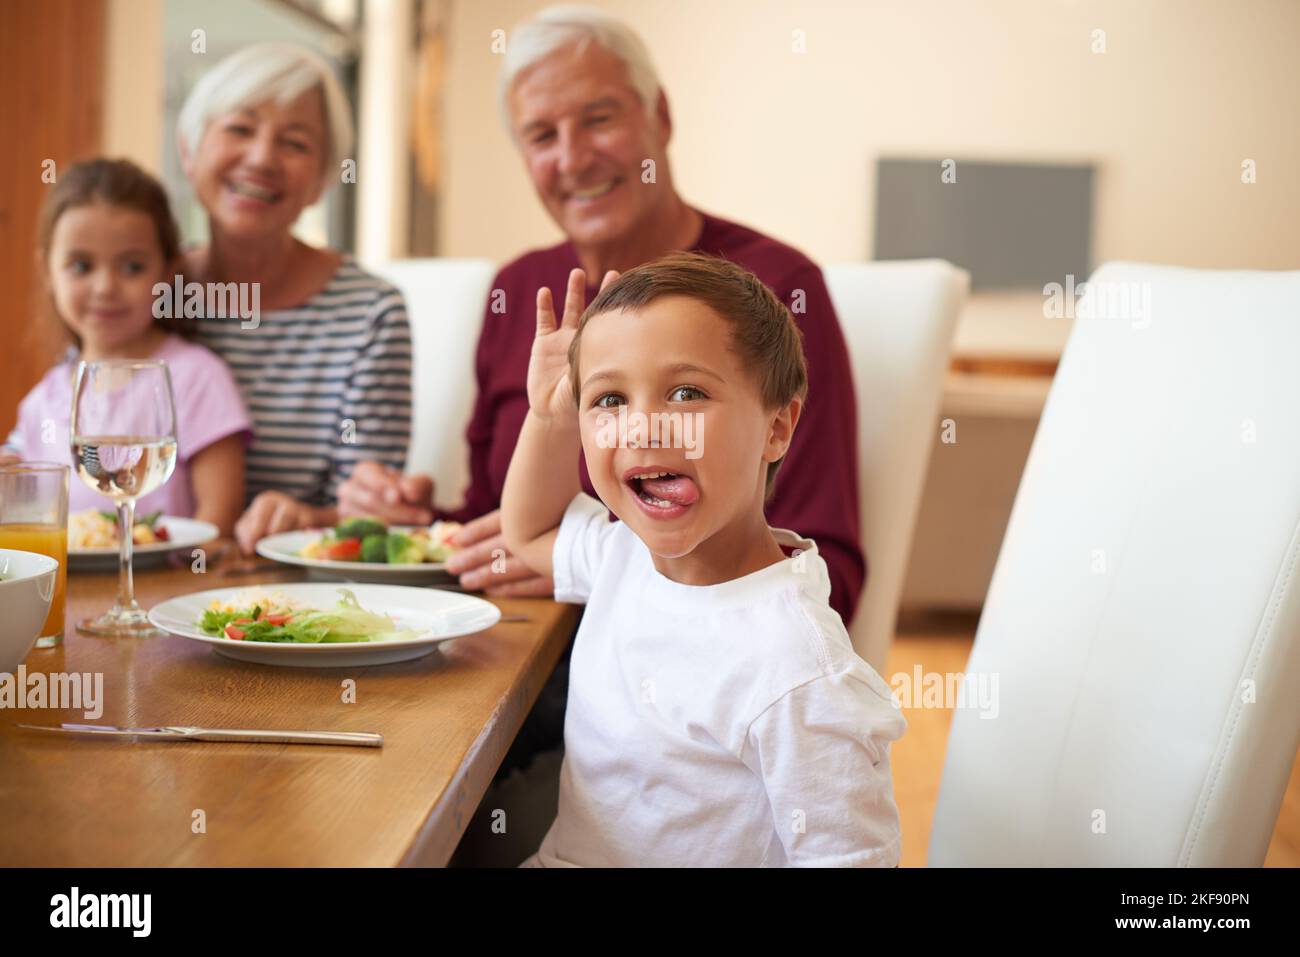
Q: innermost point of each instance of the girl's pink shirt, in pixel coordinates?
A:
(209, 408)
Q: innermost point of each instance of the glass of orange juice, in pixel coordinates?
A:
(34, 518)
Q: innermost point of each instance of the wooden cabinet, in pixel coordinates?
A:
(971, 483)
(51, 65)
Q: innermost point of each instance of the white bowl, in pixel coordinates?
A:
(26, 587)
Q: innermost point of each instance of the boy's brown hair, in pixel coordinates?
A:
(113, 182)
(764, 334)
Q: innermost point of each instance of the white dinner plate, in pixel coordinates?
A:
(438, 616)
(184, 534)
(285, 547)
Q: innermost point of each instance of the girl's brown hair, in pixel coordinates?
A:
(764, 334)
(114, 182)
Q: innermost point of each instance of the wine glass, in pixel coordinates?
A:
(123, 446)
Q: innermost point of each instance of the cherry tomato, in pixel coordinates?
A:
(347, 550)
(235, 633)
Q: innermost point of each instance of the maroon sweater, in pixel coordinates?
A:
(816, 492)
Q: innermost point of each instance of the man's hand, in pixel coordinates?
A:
(275, 512)
(483, 562)
(8, 458)
(374, 490)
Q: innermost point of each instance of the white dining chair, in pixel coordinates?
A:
(445, 299)
(1143, 621)
(898, 320)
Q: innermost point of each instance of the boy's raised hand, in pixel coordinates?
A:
(550, 392)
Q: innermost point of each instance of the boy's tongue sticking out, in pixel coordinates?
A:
(662, 489)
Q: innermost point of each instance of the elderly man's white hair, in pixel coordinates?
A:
(269, 71)
(534, 40)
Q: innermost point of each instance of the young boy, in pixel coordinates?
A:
(717, 714)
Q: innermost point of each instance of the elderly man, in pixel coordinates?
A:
(592, 123)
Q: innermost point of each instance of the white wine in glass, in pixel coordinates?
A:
(124, 468)
(124, 447)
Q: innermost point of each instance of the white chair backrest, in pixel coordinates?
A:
(445, 299)
(1143, 621)
(898, 320)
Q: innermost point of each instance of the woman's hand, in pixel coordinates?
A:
(483, 562)
(375, 490)
(550, 390)
(275, 512)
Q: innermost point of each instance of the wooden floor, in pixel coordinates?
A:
(942, 644)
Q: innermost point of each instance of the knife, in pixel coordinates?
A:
(363, 739)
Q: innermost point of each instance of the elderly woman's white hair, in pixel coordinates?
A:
(554, 27)
(269, 71)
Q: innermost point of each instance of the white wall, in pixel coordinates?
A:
(1185, 91)
(133, 82)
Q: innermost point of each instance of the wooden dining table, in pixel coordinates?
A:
(447, 720)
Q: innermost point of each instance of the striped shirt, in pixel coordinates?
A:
(328, 384)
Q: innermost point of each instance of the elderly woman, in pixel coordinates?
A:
(326, 367)
(590, 119)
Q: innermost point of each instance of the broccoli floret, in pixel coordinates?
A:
(374, 548)
(361, 528)
(403, 550)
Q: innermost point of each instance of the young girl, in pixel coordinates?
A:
(106, 237)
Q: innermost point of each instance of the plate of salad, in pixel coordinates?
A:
(324, 626)
(367, 550)
(92, 538)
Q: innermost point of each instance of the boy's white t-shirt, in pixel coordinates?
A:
(727, 725)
